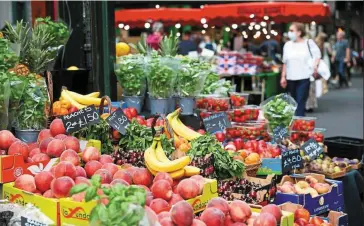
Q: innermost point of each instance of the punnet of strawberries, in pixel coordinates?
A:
(303, 123)
(214, 103)
(238, 100)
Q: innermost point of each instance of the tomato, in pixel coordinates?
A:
(141, 120)
(149, 122)
(115, 134)
(239, 143)
(72, 109)
(133, 112)
(220, 136)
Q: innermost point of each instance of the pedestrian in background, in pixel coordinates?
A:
(207, 44)
(155, 38)
(297, 68)
(341, 57)
(186, 45)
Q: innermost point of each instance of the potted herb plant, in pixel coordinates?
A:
(161, 75)
(129, 71)
(36, 53)
(190, 83)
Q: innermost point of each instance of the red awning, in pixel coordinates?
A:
(227, 14)
(279, 12)
(169, 16)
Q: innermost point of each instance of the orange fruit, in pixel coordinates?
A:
(184, 147)
(122, 49)
(243, 153)
(252, 158)
(63, 111)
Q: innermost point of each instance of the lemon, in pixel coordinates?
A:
(122, 49)
(72, 68)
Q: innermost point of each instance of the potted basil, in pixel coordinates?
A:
(129, 71)
(161, 77)
(191, 79)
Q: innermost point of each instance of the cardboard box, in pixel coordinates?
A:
(334, 217)
(333, 200)
(50, 207)
(78, 213)
(287, 218)
(209, 192)
(12, 167)
(270, 166)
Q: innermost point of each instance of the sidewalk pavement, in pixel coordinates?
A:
(340, 111)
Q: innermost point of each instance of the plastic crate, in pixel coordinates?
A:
(345, 147)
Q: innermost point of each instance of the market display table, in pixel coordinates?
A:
(269, 83)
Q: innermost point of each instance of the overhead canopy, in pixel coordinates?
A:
(169, 16)
(279, 12)
(226, 14)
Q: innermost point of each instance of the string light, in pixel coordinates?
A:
(265, 31)
(227, 29)
(272, 22)
(121, 26)
(250, 27)
(244, 32)
(243, 24)
(203, 32)
(268, 36)
(178, 34)
(147, 25)
(157, 6)
(203, 21)
(126, 27)
(178, 26)
(213, 27)
(313, 23)
(252, 23)
(252, 16)
(202, 6)
(205, 26)
(234, 26)
(257, 27)
(266, 17)
(263, 23)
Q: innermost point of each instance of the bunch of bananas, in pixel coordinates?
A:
(80, 101)
(179, 132)
(157, 161)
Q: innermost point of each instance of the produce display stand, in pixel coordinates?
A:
(268, 84)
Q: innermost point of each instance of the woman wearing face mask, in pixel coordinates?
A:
(297, 65)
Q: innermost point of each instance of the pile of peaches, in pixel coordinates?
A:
(308, 186)
(302, 218)
(219, 212)
(51, 143)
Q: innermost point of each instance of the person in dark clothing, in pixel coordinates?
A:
(341, 57)
(186, 45)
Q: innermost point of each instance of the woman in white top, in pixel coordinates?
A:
(298, 55)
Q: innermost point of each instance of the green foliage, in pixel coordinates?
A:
(59, 30)
(169, 45)
(100, 131)
(7, 58)
(129, 72)
(125, 206)
(137, 137)
(224, 164)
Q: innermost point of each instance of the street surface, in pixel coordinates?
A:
(340, 111)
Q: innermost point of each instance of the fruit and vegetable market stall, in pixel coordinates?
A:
(94, 161)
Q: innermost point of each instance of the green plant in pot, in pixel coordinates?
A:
(161, 75)
(36, 52)
(130, 73)
(190, 82)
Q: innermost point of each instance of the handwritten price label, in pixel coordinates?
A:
(216, 122)
(118, 121)
(312, 149)
(279, 133)
(291, 160)
(81, 118)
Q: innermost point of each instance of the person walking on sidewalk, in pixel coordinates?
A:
(341, 58)
(297, 65)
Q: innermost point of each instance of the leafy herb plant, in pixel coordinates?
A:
(130, 74)
(224, 164)
(125, 205)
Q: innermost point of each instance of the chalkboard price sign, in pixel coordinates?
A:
(291, 159)
(216, 122)
(312, 149)
(28, 222)
(279, 133)
(118, 121)
(81, 118)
